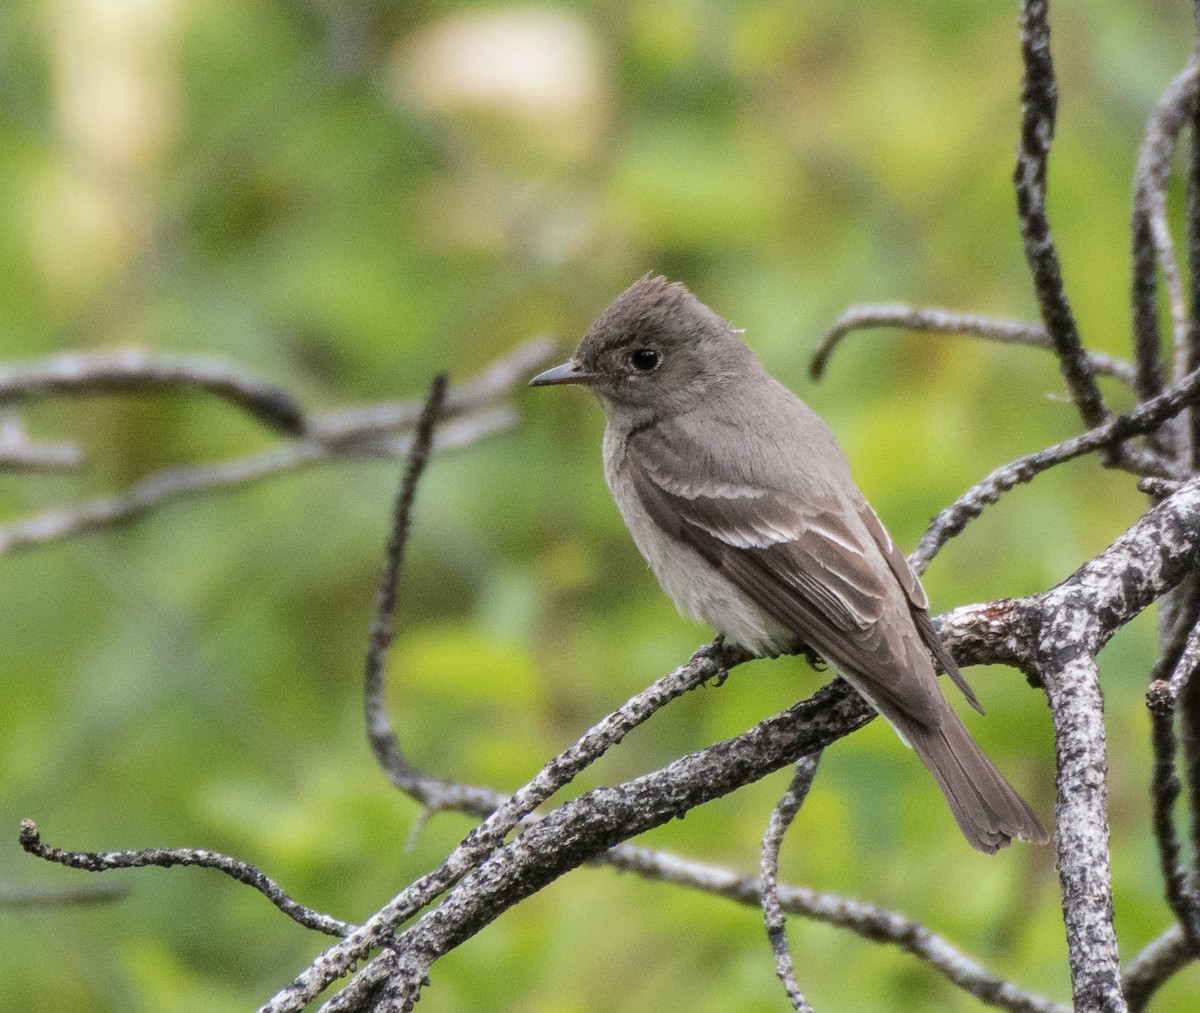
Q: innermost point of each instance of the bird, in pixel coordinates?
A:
(741, 501)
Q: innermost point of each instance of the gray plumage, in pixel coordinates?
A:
(741, 501)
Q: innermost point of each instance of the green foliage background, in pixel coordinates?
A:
(311, 190)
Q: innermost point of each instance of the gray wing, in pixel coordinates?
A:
(815, 564)
(917, 598)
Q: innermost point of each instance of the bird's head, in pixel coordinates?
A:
(655, 351)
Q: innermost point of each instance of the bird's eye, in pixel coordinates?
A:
(644, 359)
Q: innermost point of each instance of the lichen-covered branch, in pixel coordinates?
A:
(1087, 609)
(166, 858)
(709, 663)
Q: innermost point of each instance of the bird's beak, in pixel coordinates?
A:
(568, 372)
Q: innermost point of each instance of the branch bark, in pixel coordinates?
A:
(1099, 598)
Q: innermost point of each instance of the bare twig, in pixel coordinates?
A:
(1188, 709)
(781, 818)
(500, 378)
(1152, 244)
(1185, 665)
(1160, 961)
(710, 662)
(135, 370)
(1187, 695)
(942, 321)
(1192, 357)
(172, 484)
(1153, 248)
(379, 730)
(166, 858)
(341, 434)
(866, 920)
(1164, 791)
(1143, 419)
(1039, 101)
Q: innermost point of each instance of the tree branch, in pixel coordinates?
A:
(1088, 608)
(706, 664)
(781, 819)
(1153, 248)
(166, 858)
(357, 433)
(137, 371)
(1039, 102)
(1146, 973)
(1164, 792)
(1142, 419)
(173, 484)
(942, 321)
(1072, 685)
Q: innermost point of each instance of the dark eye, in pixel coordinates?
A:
(644, 359)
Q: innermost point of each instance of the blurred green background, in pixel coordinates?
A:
(346, 197)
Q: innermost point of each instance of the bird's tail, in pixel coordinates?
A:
(986, 807)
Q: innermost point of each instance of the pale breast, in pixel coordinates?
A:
(692, 583)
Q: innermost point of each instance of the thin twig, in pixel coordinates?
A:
(135, 370)
(1154, 966)
(1192, 359)
(781, 819)
(500, 378)
(364, 432)
(1169, 702)
(942, 321)
(379, 730)
(866, 920)
(1164, 792)
(1185, 666)
(1188, 709)
(1174, 110)
(166, 858)
(172, 484)
(1153, 248)
(1143, 419)
(709, 663)
(1188, 694)
(1039, 101)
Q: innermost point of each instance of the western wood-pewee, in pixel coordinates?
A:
(741, 501)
